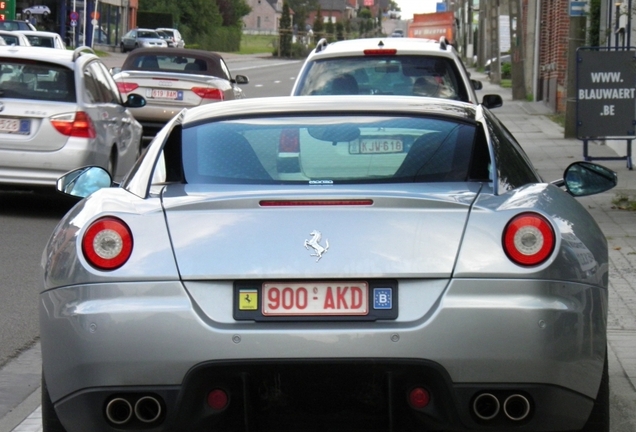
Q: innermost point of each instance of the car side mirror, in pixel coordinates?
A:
(83, 182)
(586, 178)
(241, 79)
(115, 70)
(477, 85)
(492, 101)
(135, 101)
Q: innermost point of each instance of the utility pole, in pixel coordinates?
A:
(576, 39)
(516, 51)
(493, 27)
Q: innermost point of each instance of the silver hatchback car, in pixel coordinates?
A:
(60, 110)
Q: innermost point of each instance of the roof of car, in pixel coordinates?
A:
(350, 105)
(65, 57)
(37, 33)
(404, 45)
(173, 52)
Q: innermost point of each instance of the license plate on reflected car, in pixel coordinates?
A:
(166, 94)
(379, 146)
(315, 299)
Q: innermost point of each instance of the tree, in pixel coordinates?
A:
(330, 30)
(301, 9)
(285, 32)
(232, 11)
(319, 26)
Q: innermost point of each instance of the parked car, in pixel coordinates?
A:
(11, 25)
(385, 67)
(172, 80)
(37, 10)
(415, 273)
(397, 33)
(61, 110)
(14, 38)
(43, 39)
(174, 38)
(141, 38)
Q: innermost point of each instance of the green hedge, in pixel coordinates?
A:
(223, 39)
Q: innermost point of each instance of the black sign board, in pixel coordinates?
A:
(606, 94)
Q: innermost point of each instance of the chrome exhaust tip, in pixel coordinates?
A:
(119, 411)
(486, 406)
(148, 409)
(516, 407)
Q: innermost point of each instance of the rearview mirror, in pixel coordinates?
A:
(83, 182)
(586, 178)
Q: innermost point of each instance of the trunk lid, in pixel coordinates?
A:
(227, 232)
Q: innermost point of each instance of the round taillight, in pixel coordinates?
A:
(528, 239)
(419, 397)
(107, 243)
(218, 399)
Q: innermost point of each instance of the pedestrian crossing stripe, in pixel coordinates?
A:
(248, 299)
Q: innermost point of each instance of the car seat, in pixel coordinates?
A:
(149, 62)
(229, 155)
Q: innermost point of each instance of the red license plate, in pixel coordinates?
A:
(315, 298)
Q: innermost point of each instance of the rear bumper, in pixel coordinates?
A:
(356, 394)
(43, 168)
(544, 340)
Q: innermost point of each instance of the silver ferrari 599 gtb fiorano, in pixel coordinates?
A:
(328, 263)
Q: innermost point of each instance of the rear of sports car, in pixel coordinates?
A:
(381, 285)
(167, 92)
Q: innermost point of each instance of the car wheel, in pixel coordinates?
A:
(50, 420)
(123, 49)
(600, 416)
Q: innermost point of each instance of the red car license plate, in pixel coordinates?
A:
(315, 298)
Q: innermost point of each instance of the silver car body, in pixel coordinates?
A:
(168, 79)
(483, 323)
(141, 38)
(38, 154)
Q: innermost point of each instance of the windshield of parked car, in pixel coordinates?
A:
(148, 34)
(328, 149)
(41, 41)
(384, 75)
(29, 79)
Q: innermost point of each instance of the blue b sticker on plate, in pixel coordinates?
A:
(382, 298)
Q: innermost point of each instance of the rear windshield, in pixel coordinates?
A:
(389, 75)
(328, 149)
(41, 41)
(28, 79)
(10, 40)
(173, 63)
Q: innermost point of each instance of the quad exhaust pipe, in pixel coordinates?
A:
(147, 409)
(516, 407)
(486, 406)
(119, 411)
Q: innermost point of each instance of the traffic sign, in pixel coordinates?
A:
(73, 23)
(74, 16)
(577, 8)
